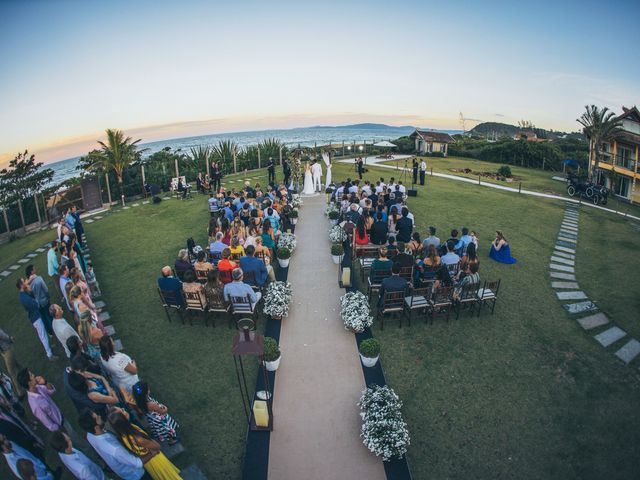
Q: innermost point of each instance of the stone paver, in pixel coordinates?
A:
(98, 217)
(126, 208)
(172, 451)
(571, 216)
(562, 276)
(104, 316)
(629, 351)
(14, 267)
(593, 321)
(562, 268)
(572, 285)
(565, 249)
(24, 260)
(564, 261)
(570, 241)
(574, 295)
(32, 255)
(610, 336)
(568, 234)
(569, 226)
(6, 273)
(569, 246)
(580, 307)
(146, 202)
(135, 205)
(110, 329)
(39, 250)
(557, 253)
(89, 220)
(100, 304)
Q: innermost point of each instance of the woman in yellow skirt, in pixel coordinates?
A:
(140, 444)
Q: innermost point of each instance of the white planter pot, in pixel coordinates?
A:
(333, 222)
(273, 366)
(284, 262)
(336, 259)
(368, 362)
(294, 221)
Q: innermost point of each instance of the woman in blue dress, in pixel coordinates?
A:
(500, 250)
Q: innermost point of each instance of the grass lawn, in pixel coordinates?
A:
(531, 178)
(524, 393)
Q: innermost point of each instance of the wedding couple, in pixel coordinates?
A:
(313, 178)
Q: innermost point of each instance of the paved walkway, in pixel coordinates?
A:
(316, 431)
(379, 162)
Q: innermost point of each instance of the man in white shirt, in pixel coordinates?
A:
(367, 188)
(316, 172)
(450, 258)
(123, 463)
(13, 453)
(423, 171)
(380, 187)
(402, 188)
(75, 461)
(61, 328)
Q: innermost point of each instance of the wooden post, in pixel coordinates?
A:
(6, 219)
(21, 213)
(106, 178)
(478, 179)
(35, 200)
(235, 162)
(343, 148)
(177, 169)
(207, 162)
(259, 163)
(280, 155)
(520, 187)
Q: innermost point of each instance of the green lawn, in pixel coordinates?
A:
(524, 393)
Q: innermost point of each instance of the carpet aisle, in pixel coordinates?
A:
(316, 431)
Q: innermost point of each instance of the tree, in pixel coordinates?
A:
(117, 153)
(224, 152)
(201, 155)
(599, 124)
(21, 180)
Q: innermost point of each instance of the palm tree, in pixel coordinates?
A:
(201, 155)
(116, 154)
(224, 151)
(598, 126)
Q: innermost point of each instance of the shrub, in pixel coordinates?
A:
(370, 348)
(334, 215)
(293, 213)
(271, 349)
(284, 252)
(505, 171)
(337, 250)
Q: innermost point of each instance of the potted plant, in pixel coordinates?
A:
(331, 207)
(369, 352)
(277, 300)
(271, 354)
(337, 251)
(334, 215)
(355, 311)
(293, 216)
(337, 234)
(384, 432)
(287, 240)
(284, 256)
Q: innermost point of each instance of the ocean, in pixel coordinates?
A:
(306, 136)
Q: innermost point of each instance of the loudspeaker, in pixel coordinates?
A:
(412, 192)
(156, 199)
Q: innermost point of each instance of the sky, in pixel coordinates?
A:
(69, 69)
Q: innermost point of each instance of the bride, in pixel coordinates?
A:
(308, 181)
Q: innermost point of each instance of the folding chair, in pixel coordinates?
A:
(214, 257)
(249, 277)
(468, 295)
(218, 305)
(418, 299)
(453, 269)
(392, 302)
(172, 300)
(374, 284)
(407, 273)
(225, 276)
(488, 293)
(201, 275)
(366, 255)
(243, 306)
(440, 301)
(195, 303)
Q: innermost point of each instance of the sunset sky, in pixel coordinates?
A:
(160, 69)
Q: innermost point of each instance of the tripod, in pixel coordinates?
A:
(403, 175)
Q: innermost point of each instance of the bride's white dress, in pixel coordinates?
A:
(307, 188)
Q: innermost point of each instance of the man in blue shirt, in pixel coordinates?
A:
(249, 263)
(228, 212)
(33, 312)
(464, 241)
(238, 288)
(168, 283)
(218, 246)
(394, 283)
(70, 219)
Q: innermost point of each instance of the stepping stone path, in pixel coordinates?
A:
(6, 273)
(146, 202)
(14, 267)
(32, 255)
(563, 281)
(89, 220)
(39, 250)
(23, 260)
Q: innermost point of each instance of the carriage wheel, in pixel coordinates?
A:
(571, 190)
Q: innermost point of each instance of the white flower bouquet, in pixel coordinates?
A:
(383, 431)
(296, 201)
(277, 299)
(287, 240)
(337, 234)
(332, 207)
(355, 311)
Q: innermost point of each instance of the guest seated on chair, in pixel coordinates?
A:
(394, 283)
(380, 264)
(168, 283)
(431, 239)
(379, 230)
(451, 258)
(190, 285)
(214, 288)
(360, 236)
(226, 263)
(182, 263)
(403, 259)
(250, 263)
(202, 264)
(218, 245)
(237, 288)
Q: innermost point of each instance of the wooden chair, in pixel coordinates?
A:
(453, 269)
(225, 276)
(418, 299)
(467, 296)
(365, 254)
(441, 300)
(374, 284)
(172, 300)
(392, 302)
(249, 277)
(195, 303)
(243, 306)
(407, 273)
(218, 306)
(214, 258)
(488, 293)
(201, 275)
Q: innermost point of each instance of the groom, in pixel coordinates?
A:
(316, 172)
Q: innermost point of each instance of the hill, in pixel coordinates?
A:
(507, 130)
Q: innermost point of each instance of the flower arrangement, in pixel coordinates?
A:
(296, 201)
(383, 431)
(294, 213)
(337, 234)
(334, 215)
(331, 207)
(277, 299)
(287, 240)
(355, 311)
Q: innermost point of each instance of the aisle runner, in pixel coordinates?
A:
(316, 421)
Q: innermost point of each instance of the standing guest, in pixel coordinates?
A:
(39, 393)
(26, 469)
(41, 294)
(123, 370)
(123, 463)
(76, 349)
(404, 226)
(52, 264)
(199, 183)
(286, 171)
(271, 169)
(90, 334)
(14, 453)
(93, 389)
(136, 440)
(414, 170)
(33, 311)
(9, 394)
(216, 176)
(169, 283)
(423, 171)
(61, 329)
(431, 239)
(70, 218)
(79, 228)
(77, 462)
(8, 355)
(64, 256)
(162, 425)
(64, 279)
(13, 427)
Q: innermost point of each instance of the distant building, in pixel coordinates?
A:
(431, 142)
(620, 155)
(528, 135)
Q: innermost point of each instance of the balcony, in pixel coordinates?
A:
(619, 161)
